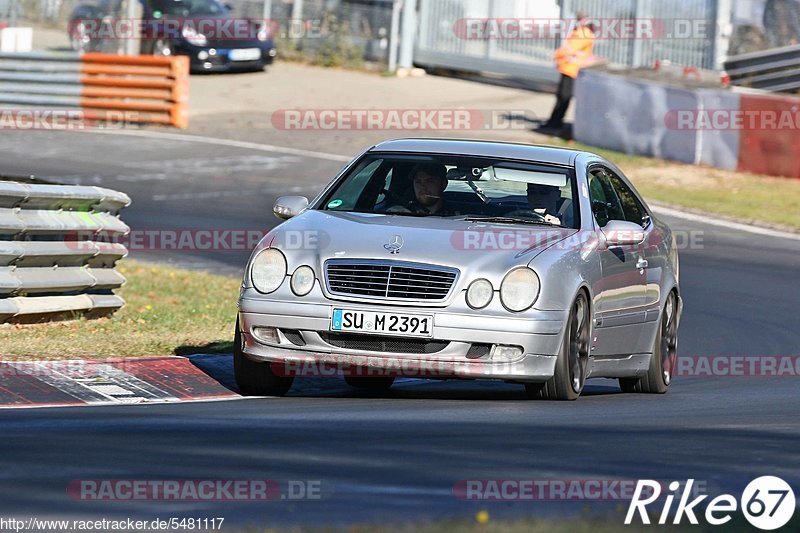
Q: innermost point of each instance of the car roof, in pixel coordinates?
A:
(503, 150)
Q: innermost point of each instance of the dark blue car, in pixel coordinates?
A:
(204, 30)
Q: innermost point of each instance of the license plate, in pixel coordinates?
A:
(244, 54)
(383, 323)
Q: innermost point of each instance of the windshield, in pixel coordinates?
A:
(189, 8)
(458, 187)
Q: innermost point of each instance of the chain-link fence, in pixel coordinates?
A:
(335, 33)
(326, 32)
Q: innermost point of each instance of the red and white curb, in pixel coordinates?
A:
(108, 381)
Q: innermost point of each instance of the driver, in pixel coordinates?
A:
(429, 181)
(544, 200)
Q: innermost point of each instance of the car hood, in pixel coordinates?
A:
(488, 250)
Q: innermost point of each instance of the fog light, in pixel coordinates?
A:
(202, 55)
(507, 353)
(273, 52)
(266, 335)
(206, 65)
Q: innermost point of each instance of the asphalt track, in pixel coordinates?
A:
(397, 457)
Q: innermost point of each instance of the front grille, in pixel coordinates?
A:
(293, 336)
(389, 280)
(374, 343)
(478, 350)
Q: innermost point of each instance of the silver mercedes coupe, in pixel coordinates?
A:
(442, 259)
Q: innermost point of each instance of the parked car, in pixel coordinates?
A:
(479, 260)
(203, 30)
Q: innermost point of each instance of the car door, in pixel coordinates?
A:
(620, 291)
(652, 250)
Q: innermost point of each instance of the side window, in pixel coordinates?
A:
(606, 205)
(350, 192)
(631, 206)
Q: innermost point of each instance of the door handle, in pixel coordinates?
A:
(641, 264)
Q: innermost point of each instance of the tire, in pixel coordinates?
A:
(373, 384)
(665, 355)
(256, 379)
(572, 364)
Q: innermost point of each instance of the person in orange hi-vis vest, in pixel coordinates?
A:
(577, 52)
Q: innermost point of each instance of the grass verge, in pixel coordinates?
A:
(743, 197)
(169, 311)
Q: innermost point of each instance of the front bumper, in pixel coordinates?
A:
(463, 343)
(213, 59)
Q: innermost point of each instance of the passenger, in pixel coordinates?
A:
(544, 200)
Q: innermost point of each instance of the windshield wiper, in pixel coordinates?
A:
(507, 220)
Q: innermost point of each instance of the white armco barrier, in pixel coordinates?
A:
(620, 112)
(50, 267)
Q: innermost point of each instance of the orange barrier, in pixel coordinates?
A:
(770, 148)
(158, 87)
(145, 89)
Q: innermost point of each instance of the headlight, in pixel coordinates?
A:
(193, 37)
(268, 270)
(302, 280)
(480, 293)
(519, 289)
(263, 32)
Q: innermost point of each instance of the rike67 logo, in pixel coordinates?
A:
(768, 503)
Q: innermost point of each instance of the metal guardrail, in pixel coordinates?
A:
(775, 70)
(146, 89)
(48, 267)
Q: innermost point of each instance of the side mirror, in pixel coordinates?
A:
(229, 6)
(287, 207)
(622, 233)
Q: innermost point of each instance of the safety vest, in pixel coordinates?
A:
(576, 52)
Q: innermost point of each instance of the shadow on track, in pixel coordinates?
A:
(220, 367)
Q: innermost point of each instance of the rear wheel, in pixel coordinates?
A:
(665, 355)
(256, 379)
(572, 365)
(373, 384)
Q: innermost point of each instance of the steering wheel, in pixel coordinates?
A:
(526, 213)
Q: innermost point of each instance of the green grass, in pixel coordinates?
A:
(168, 311)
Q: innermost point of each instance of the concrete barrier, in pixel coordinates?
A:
(690, 122)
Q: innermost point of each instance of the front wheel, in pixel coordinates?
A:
(256, 379)
(665, 355)
(572, 365)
